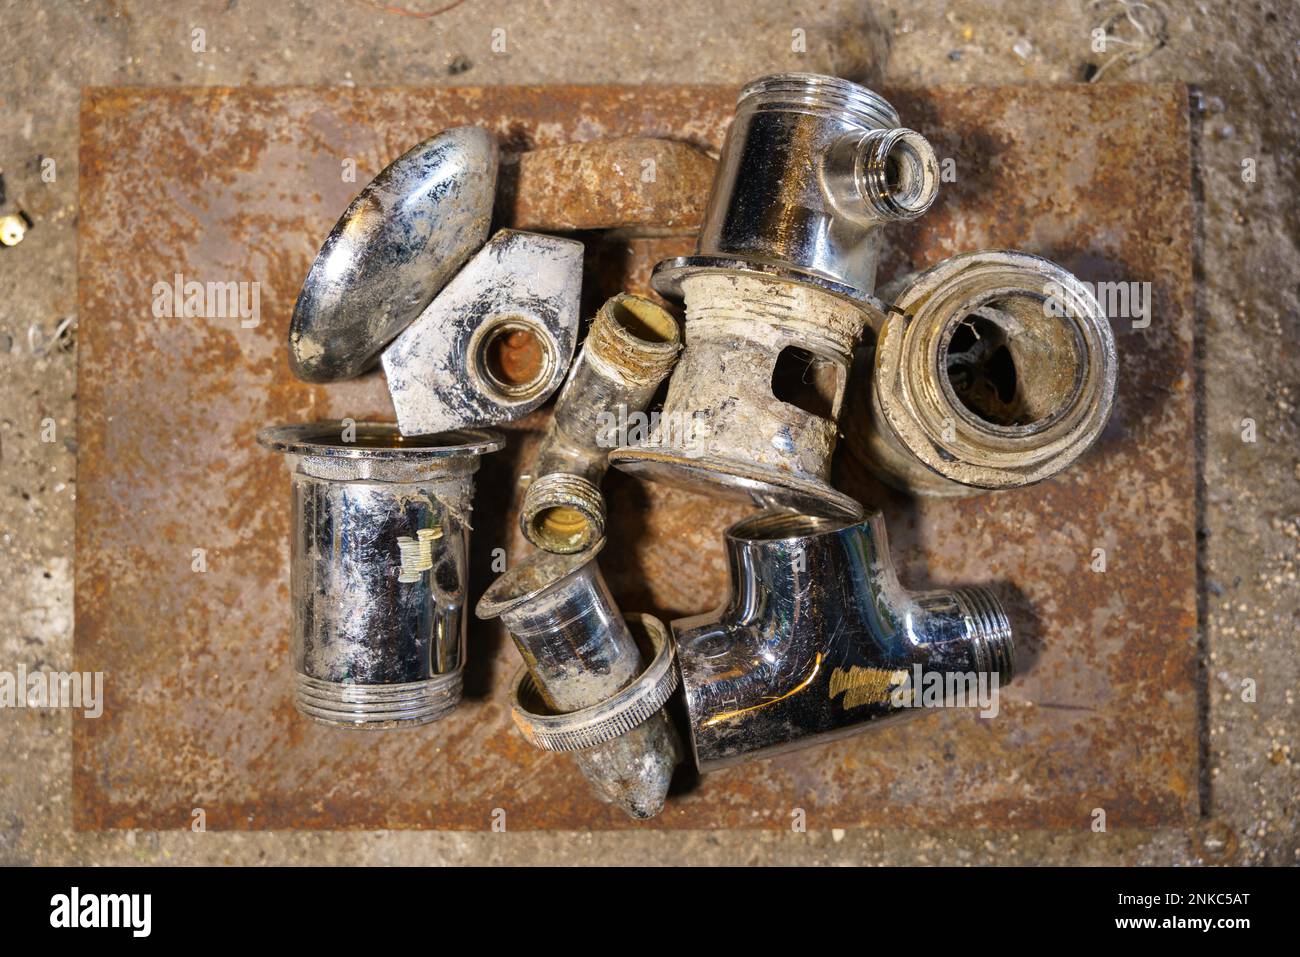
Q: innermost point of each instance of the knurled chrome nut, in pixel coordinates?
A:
(609, 719)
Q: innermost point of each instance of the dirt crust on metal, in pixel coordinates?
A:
(182, 574)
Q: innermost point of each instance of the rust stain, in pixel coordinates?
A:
(639, 183)
(241, 185)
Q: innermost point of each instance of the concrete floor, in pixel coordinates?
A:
(1241, 57)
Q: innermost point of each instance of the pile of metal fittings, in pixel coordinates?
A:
(991, 370)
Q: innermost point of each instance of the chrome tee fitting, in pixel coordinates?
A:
(779, 291)
(812, 167)
(630, 348)
(588, 686)
(378, 569)
(996, 369)
(819, 640)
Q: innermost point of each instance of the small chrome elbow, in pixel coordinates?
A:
(819, 640)
(629, 350)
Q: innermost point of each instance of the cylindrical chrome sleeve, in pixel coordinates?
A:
(378, 569)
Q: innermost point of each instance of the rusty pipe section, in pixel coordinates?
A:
(780, 290)
(996, 369)
(820, 640)
(378, 569)
(588, 685)
(630, 348)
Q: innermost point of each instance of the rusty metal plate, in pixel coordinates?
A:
(241, 185)
(646, 185)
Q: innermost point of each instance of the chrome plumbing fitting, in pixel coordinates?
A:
(995, 369)
(780, 290)
(819, 640)
(378, 569)
(406, 233)
(588, 686)
(811, 169)
(495, 343)
(470, 333)
(630, 348)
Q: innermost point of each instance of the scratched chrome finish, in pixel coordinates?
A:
(397, 244)
(811, 169)
(149, 209)
(372, 647)
(441, 371)
(616, 715)
(580, 653)
(817, 635)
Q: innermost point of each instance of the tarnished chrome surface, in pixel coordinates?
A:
(780, 290)
(613, 717)
(400, 240)
(724, 429)
(996, 369)
(580, 653)
(819, 638)
(811, 168)
(630, 348)
(495, 343)
(379, 568)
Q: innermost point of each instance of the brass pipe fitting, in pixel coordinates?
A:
(996, 369)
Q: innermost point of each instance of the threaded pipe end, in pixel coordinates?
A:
(407, 704)
(897, 173)
(825, 94)
(993, 650)
(562, 513)
(637, 337)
